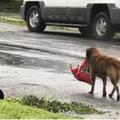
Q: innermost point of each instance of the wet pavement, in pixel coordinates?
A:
(38, 64)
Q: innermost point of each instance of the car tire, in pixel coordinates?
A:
(102, 28)
(34, 20)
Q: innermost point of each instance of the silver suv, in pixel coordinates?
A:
(97, 18)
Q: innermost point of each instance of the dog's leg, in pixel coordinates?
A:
(104, 87)
(93, 85)
(118, 95)
(111, 94)
(115, 88)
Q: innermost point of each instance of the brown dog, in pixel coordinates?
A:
(103, 66)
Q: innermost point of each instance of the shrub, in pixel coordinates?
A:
(57, 106)
(10, 5)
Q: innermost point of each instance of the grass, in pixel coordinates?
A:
(12, 18)
(10, 15)
(31, 107)
(12, 109)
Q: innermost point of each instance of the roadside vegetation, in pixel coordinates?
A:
(10, 12)
(10, 5)
(12, 18)
(57, 106)
(31, 107)
(13, 109)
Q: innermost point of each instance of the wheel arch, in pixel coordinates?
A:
(29, 4)
(93, 9)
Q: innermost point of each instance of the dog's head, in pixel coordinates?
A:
(91, 52)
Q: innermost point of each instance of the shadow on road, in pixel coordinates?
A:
(77, 35)
(97, 101)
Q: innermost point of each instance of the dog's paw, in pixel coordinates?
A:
(118, 97)
(104, 95)
(110, 95)
(91, 93)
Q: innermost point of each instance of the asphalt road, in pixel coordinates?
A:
(38, 64)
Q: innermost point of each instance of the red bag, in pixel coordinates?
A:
(80, 73)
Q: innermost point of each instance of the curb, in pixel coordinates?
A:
(10, 19)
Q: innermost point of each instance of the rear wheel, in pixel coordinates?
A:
(34, 20)
(102, 28)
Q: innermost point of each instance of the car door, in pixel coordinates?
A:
(55, 10)
(77, 11)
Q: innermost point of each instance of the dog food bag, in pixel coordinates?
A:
(80, 73)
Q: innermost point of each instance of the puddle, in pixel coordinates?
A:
(33, 62)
